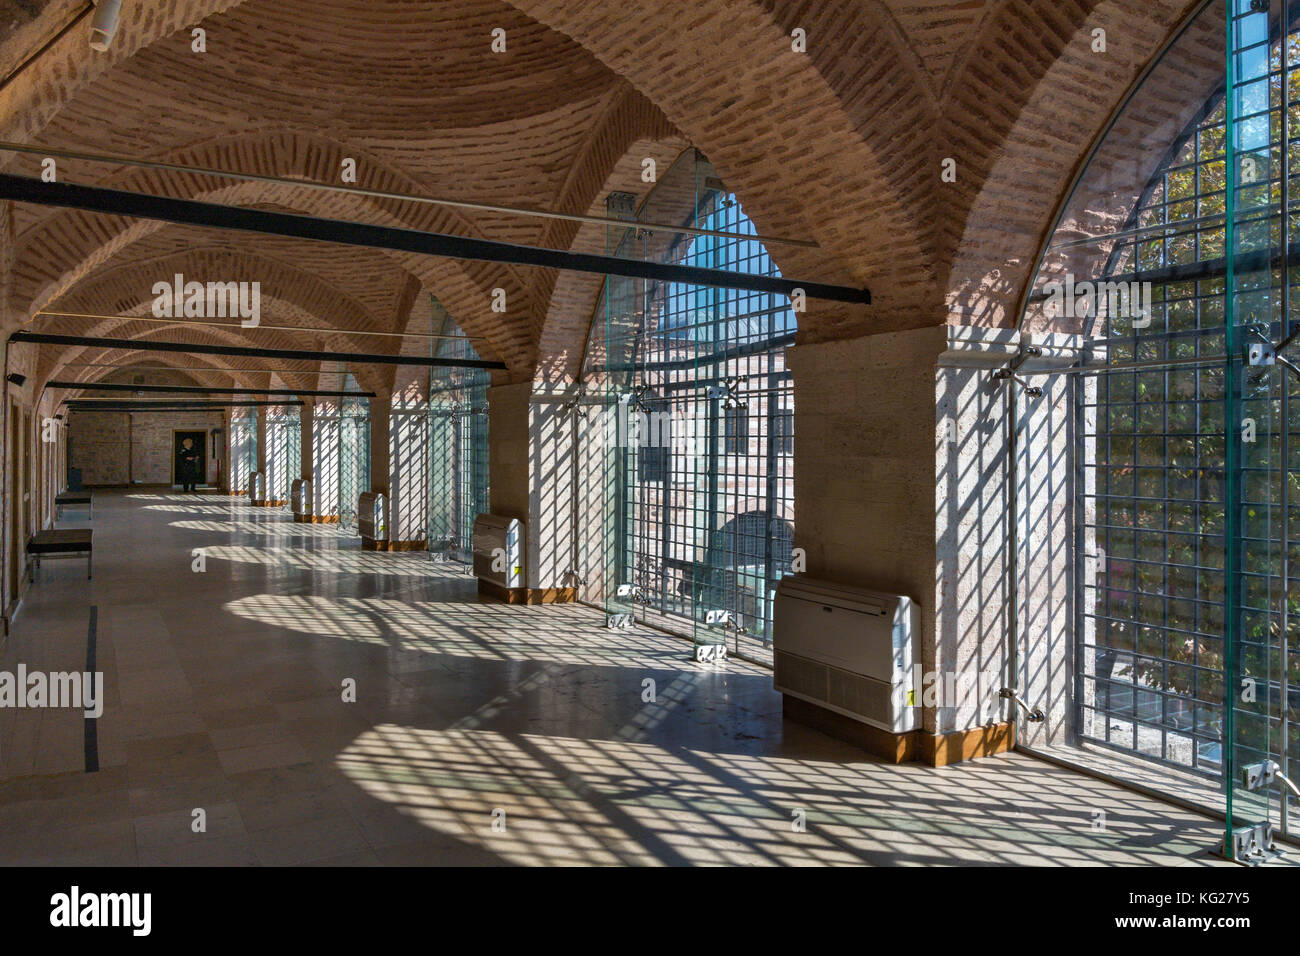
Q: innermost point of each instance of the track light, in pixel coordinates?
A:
(104, 26)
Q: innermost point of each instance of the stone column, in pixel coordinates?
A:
(306, 417)
(531, 434)
(902, 473)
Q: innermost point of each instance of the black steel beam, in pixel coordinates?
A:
(206, 390)
(248, 351)
(118, 202)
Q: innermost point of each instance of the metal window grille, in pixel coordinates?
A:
(458, 448)
(702, 529)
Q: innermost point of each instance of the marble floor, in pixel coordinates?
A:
(479, 733)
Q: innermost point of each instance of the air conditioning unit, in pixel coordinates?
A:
(372, 515)
(499, 550)
(847, 649)
(300, 497)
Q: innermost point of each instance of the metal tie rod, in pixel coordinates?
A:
(208, 390)
(118, 202)
(294, 355)
(399, 197)
(80, 406)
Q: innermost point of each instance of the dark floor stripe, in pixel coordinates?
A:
(92, 724)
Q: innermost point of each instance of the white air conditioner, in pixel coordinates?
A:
(300, 497)
(499, 550)
(847, 649)
(372, 515)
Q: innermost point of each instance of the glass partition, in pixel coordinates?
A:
(1171, 265)
(1261, 381)
(243, 452)
(458, 443)
(353, 457)
(283, 454)
(699, 414)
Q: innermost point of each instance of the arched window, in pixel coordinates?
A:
(711, 362)
(1139, 265)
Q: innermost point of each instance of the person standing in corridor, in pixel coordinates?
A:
(189, 465)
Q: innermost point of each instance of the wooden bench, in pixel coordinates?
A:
(72, 499)
(63, 544)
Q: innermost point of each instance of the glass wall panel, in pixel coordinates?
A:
(1170, 260)
(243, 452)
(458, 444)
(699, 412)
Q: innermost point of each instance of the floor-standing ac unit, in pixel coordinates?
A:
(499, 550)
(300, 497)
(372, 516)
(847, 649)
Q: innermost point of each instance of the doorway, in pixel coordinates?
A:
(198, 440)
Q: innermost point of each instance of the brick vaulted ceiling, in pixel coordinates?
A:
(841, 145)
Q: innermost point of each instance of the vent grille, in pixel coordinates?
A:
(800, 675)
(860, 695)
(853, 693)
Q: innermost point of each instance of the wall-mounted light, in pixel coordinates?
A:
(16, 379)
(104, 26)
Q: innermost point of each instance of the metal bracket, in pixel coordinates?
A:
(575, 403)
(1253, 844)
(727, 391)
(1033, 715)
(1004, 374)
(621, 620)
(1265, 353)
(1255, 776)
(710, 653)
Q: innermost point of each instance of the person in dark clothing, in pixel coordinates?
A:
(189, 465)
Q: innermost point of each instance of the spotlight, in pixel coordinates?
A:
(105, 24)
(16, 378)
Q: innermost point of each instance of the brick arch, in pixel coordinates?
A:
(213, 375)
(126, 288)
(631, 130)
(93, 239)
(52, 358)
(798, 162)
(774, 126)
(1008, 212)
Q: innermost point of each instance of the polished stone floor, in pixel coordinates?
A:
(479, 733)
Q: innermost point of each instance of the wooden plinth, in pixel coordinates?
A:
(370, 544)
(316, 519)
(496, 592)
(937, 750)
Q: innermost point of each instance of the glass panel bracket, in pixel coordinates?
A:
(1253, 845)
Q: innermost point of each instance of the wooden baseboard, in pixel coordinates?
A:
(370, 544)
(316, 519)
(937, 750)
(490, 589)
(268, 503)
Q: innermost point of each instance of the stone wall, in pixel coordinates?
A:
(120, 449)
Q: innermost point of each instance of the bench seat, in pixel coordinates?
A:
(69, 543)
(71, 499)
